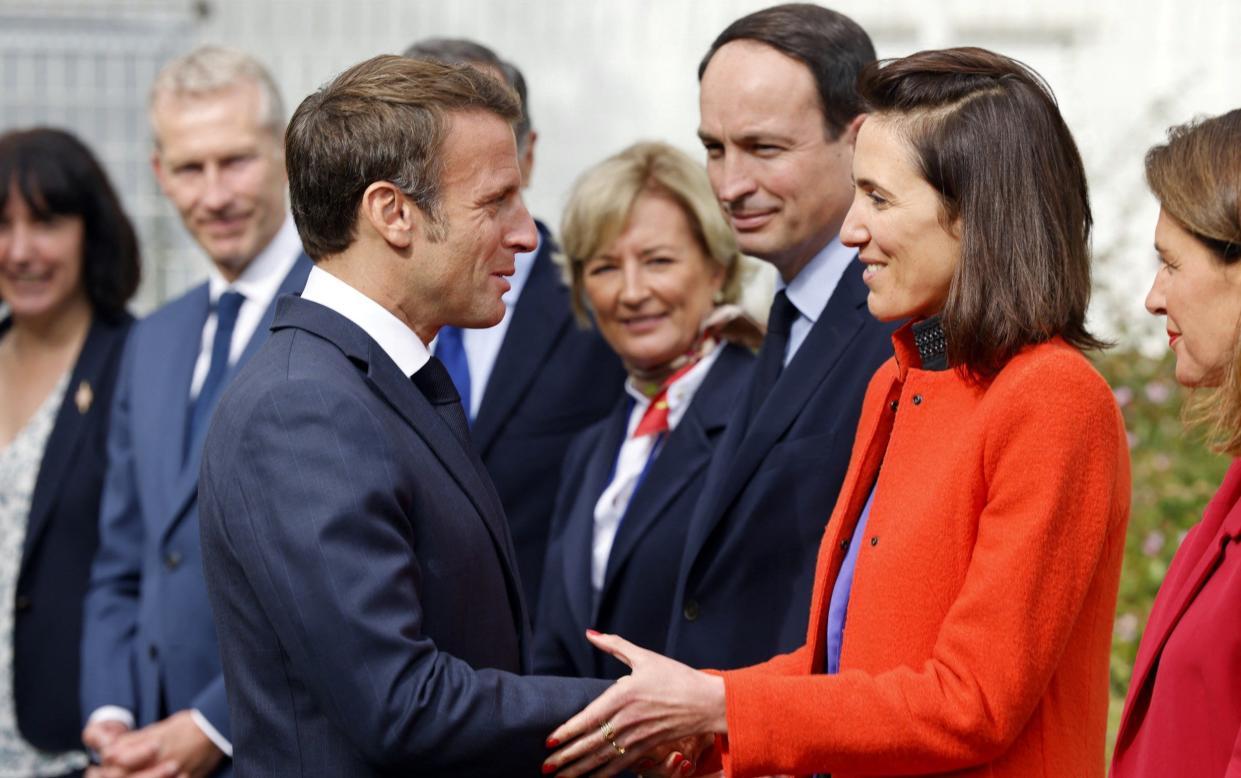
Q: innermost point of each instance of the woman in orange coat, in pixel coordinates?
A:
(962, 611)
(1183, 713)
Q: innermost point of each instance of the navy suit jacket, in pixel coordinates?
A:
(743, 593)
(361, 573)
(62, 533)
(148, 642)
(551, 380)
(641, 573)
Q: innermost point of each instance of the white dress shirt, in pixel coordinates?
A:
(632, 460)
(393, 336)
(259, 283)
(810, 290)
(482, 346)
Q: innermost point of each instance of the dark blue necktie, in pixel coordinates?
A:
(437, 386)
(771, 355)
(450, 349)
(226, 309)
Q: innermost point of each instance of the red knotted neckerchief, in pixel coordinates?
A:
(655, 419)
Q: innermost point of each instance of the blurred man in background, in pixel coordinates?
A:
(151, 682)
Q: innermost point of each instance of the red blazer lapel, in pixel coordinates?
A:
(1192, 566)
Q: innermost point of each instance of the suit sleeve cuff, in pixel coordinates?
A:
(212, 733)
(112, 713)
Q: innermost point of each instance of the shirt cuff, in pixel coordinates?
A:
(212, 733)
(112, 713)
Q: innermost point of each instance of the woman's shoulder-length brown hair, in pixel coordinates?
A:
(1196, 177)
(988, 136)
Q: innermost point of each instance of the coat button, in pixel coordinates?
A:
(153, 651)
(893, 405)
(691, 610)
(917, 399)
(844, 545)
(172, 560)
(874, 541)
(21, 603)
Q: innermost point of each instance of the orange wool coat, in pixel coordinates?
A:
(980, 620)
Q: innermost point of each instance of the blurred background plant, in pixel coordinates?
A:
(1174, 475)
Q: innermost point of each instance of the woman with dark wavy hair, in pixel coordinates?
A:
(1183, 712)
(966, 584)
(68, 267)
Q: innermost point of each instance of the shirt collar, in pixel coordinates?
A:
(261, 279)
(810, 289)
(397, 340)
(681, 393)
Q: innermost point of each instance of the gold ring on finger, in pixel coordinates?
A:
(608, 733)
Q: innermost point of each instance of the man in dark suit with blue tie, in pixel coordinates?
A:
(360, 569)
(532, 382)
(779, 115)
(151, 679)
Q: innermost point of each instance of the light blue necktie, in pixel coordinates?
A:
(450, 349)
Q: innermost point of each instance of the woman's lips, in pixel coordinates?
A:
(638, 325)
(1173, 337)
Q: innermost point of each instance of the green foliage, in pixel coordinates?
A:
(1174, 475)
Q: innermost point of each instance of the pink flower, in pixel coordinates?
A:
(1158, 392)
(1153, 543)
(1126, 629)
(1123, 395)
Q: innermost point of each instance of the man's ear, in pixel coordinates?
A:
(157, 167)
(850, 132)
(525, 160)
(390, 214)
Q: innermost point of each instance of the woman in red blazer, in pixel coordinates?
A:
(1183, 713)
(966, 584)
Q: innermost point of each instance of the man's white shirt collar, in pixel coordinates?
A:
(396, 339)
(810, 290)
(261, 279)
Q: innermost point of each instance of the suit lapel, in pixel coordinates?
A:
(817, 356)
(179, 344)
(539, 317)
(580, 526)
(72, 422)
(395, 388)
(185, 483)
(686, 453)
(1221, 525)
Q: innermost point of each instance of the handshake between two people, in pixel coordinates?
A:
(660, 720)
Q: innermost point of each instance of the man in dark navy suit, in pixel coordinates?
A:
(360, 569)
(779, 115)
(533, 381)
(151, 683)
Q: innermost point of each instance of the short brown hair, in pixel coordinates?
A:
(1196, 176)
(603, 196)
(988, 136)
(381, 120)
(833, 47)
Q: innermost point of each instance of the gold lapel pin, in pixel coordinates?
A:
(83, 397)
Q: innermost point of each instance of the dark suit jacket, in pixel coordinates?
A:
(642, 567)
(361, 573)
(551, 380)
(148, 643)
(745, 577)
(62, 534)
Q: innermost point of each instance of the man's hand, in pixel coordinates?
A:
(175, 746)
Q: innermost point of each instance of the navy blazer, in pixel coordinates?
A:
(551, 380)
(642, 568)
(62, 533)
(148, 642)
(743, 594)
(361, 573)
